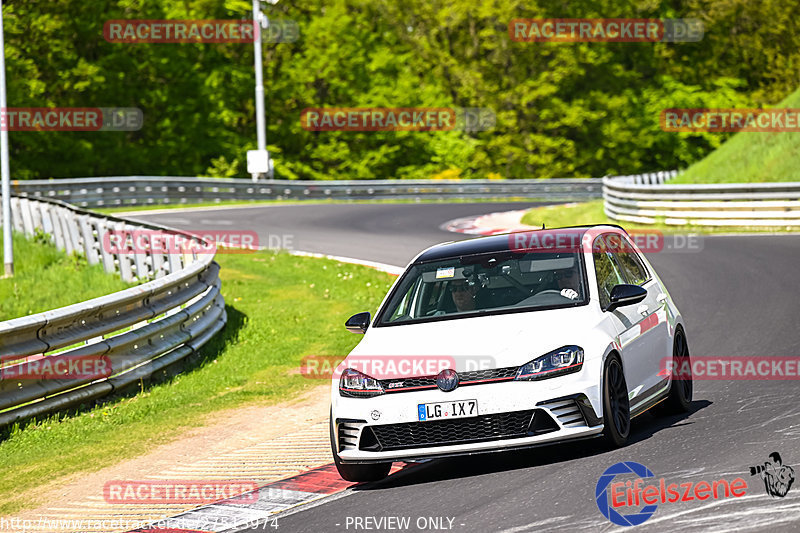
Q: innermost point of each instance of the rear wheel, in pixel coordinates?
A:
(355, 472)
(616, 407)
(680, 392)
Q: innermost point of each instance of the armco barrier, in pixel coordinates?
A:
(75, 229)
(633, 199)
(140, 331)
(149, 190)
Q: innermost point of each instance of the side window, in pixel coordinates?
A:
(403, 310)
(608, 275)
(432, 293)
(629, 261)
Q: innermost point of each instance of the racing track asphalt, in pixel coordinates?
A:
(738, 295)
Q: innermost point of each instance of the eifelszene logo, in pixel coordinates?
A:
(608, 508)
(614, 496)
(778, 477)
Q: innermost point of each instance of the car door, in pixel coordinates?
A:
(651, 312)
(634, 352)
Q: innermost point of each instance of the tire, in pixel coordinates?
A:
(356, 472)
(616, 406)
(680, 392)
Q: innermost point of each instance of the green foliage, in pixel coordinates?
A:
(751, 157)
(563, 109)
(221, 168)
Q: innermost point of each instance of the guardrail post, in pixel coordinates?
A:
(141, 245)
(104, 239)
(157, 260)
(70, 228)
(51, 227)
(36, 215)
(16, 218)
(124, 258)
(89, 240)
(27, 219)
(59, 222)
(174, 259)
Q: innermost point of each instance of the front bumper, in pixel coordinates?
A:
(511, 415)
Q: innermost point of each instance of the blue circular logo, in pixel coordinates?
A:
(447, 380)
(601, 494)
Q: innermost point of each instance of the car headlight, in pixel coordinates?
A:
(565, 360)
(355, 384)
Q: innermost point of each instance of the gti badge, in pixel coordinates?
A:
(375, 414)
(447, 380)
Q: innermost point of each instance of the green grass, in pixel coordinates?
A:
(588, 213)
(280, 308)
(46, 278)
(751, 157)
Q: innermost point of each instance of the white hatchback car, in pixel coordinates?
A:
(504, 342)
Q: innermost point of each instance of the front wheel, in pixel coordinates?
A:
(355, 472)
(616, 406)
(680, 392)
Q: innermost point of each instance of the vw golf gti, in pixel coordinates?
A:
(508, 341)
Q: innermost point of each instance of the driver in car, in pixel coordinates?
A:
(463, 295)
(567, 280)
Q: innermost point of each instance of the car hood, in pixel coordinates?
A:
(494, 341)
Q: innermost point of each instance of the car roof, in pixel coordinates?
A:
(500, 243)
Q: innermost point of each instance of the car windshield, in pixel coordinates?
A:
(486, 284)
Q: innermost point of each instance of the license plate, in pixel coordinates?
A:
(456, 409)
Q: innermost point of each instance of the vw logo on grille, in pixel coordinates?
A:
(447, 380)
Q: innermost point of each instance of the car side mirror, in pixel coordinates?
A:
(622, 295)
(358, 323)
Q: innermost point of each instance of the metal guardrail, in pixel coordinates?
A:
(149, 190)
(139, 332)
(77, 230)
(634, 199)
(651, 178)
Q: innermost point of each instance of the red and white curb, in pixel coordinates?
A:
(490, 224)
(246, 511)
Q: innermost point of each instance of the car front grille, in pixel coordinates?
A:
(494, 373)
(472, 377)
(447, 432)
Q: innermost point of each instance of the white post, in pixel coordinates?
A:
(260, 125)
(8, 249)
